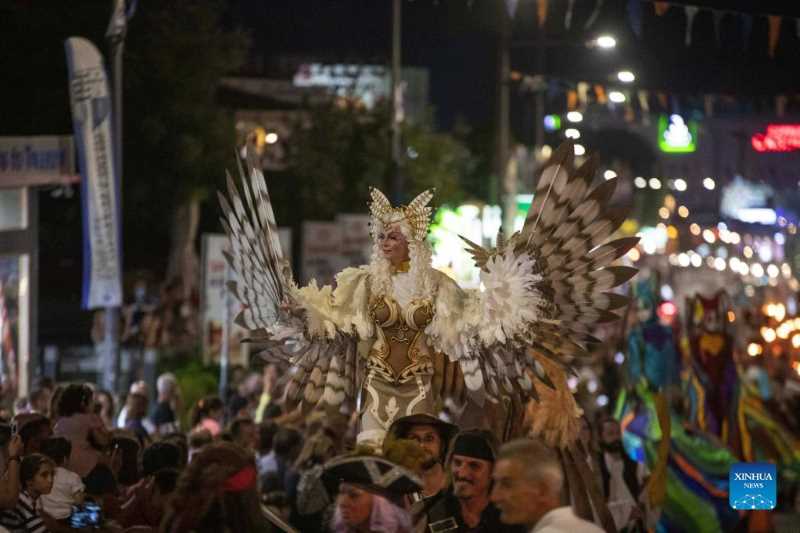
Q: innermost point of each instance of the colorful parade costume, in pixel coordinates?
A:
(725, 423)
(407, 338)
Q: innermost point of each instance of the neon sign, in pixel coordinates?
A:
(778, 138)
(677, 136)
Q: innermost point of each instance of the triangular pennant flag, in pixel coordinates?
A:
(774, 22)
(661, 7)
(662, 100)
(634, 9)
(780, 104)
(583, 94)
(572, 100)
(691, 11)
(568, 14)
(747, 29)
(630, 114)
(598, 6)
(541, 12)
(708, 105)
(644, 104)
(717, 23)
(511, 7)
(600, 94)
(676, 104)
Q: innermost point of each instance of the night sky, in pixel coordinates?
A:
(456, 40)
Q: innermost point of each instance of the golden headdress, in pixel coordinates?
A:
(417, 214)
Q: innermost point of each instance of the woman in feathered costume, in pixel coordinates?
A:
(405, 336)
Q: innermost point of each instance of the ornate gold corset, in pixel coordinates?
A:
(400, 351)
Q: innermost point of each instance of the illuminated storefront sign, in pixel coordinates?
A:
(677, 136)
(777, 138)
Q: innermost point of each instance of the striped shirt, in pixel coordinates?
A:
(24, 518)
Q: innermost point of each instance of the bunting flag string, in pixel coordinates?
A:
(634, 14)
(640, 104)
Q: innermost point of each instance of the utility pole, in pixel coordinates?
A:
(502, 110)
(541, 48)
(396, 103)
(116, 42)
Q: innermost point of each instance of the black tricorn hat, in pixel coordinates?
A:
(372, 473)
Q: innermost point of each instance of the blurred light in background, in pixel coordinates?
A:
(626, 76)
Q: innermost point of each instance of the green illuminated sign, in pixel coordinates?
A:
(675, 135)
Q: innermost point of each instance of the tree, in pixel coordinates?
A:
(178, 140)
(338, 150)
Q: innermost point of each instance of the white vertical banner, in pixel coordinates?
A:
(91, 119)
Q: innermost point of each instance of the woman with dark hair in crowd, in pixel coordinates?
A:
(208, 414)
(128, 450)
(105, 407)
(137, 411)
(217, 493)
(79, 424)
(55, 399)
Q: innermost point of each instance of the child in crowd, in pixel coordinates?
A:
(36, 480)
(67, 485)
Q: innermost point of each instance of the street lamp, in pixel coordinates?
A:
(605, 42)
(616, 97)
(575, 116)
(626, 76)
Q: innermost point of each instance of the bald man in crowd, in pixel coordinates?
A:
(528, 482)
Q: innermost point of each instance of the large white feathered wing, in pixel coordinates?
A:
(292, 325)
(544, 291)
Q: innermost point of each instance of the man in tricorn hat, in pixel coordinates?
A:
(432, 435)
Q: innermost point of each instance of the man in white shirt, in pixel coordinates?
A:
(527, 489)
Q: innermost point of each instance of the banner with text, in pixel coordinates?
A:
(91, 120)
(37, 160)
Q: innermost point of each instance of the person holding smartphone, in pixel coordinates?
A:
(11, 447)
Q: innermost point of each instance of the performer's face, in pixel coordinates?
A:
(428, 439)
(393, 245)
(355, 505)
(471, 476)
